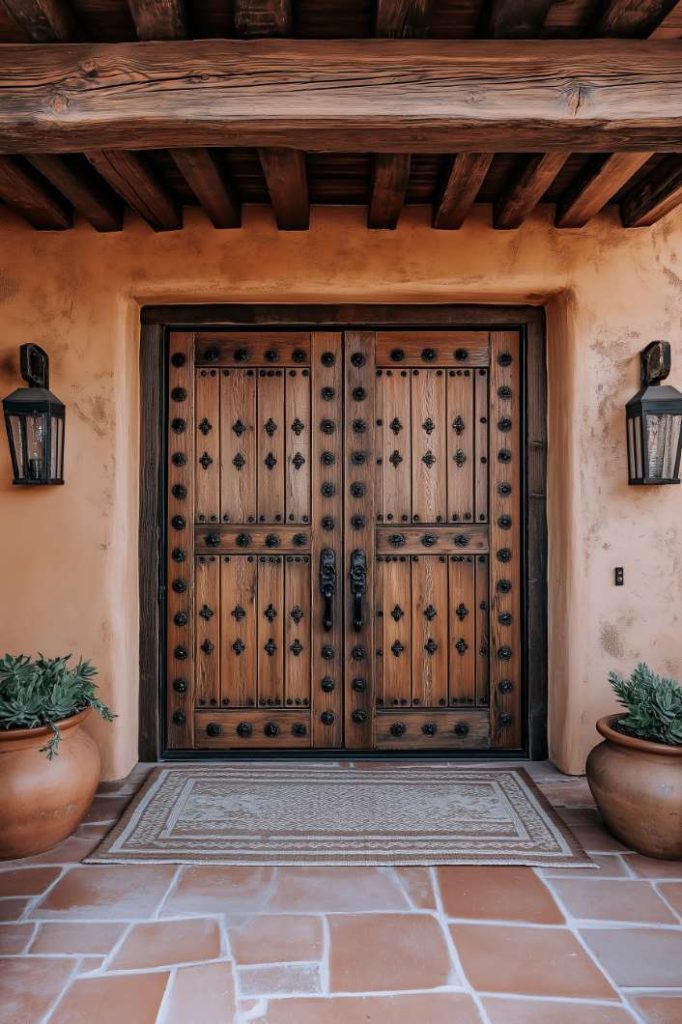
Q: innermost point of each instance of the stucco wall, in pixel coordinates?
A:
(69, 555)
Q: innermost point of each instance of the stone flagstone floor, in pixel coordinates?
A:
(142, 944)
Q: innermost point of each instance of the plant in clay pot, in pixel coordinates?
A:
(635, 774)
(49, 765)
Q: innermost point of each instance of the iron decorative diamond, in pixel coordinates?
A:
(206, 613)
(298, 460)
(238, 428)
(428, 425)
(205, 426)
(296, 647)
(270, 460)
(430, 646)
(205, 460)
(461, 611)
(459, 457)
(397, 613)
(297, 426)
(238, 647)
(270, 427)
(428, 458)
(270, 613)
(270, 647)
(396, 458)
(395, 425)
(297, 614)
(239, 461)
(462, 646)
(430, 613)
(458, 425)
(397, 648)
(238, 612)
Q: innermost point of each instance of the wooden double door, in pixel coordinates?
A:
(344, 540)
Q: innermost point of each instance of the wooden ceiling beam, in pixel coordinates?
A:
(460, 188)
(655, 196)
(45, 21)
(287, 181)
(537, 175)
(263, 18)
(27, 196)
(398, 19)
(593, 189)
(159, 19)
(390, 177)
(134, 181)
(86, 192)
(515, 19)
(353, 96)
(632, 18)
(210, 185)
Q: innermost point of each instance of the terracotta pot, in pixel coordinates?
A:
(637, 786)
(41, 801)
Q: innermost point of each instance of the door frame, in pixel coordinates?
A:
(157, 322)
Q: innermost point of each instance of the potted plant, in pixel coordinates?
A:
(49, 765)
(636, 774)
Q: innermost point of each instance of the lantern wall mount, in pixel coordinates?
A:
(35, 420)
(654, 422)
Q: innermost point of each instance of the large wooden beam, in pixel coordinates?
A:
(210, 186)
(390, 96)
(287, 181)
(85, 191)
(515, 19)
(632, 18)
(396, 19)
(159, 19)
(45, 21)
(537, 175)
(263, 17)
(593, 189)
(657, 195)
(459, 191)
(390, 177)
(133, 180)
(24, 193)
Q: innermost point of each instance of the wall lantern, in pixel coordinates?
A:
(34, 418)
(654, 422)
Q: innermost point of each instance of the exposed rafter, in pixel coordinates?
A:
(514, 19)
(210, 185)
(353, 96)
(45, 21)
(390, 177)
(460, 189)
(658, 194)
(403, 18)
(85, 191)
(263, 17)
(287, 181)
(537, 175)
(133, 180)
(591, 192)
(25, 194)
(633, 18)
(159, 19)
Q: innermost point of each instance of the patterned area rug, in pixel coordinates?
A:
(313, 813)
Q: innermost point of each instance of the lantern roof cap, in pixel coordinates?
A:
(657, 398)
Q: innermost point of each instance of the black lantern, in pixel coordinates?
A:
(34, 418)
(654, 422)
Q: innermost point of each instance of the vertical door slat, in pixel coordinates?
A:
(482, 631)
(394, 631)
(238, 589)
(207, 651)
(297, 444)
(393, 481)
(461, 432)
(271, 438)
(429, 630)
(462, 599)
(207, 440)
(296, 612)
(270, 631)
(237, 446)
(482, 417)
(429, 473)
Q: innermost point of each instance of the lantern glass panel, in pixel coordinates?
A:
(37, 446)
(663, 437)
(16, 445)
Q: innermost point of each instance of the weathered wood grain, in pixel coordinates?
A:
(657, 195)
(460, 189)
(45, 21)
(537, 175)
(390, 177)
(27, 196)
(159, 19)
(592, 191)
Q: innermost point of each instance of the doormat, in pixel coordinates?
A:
(313, 813)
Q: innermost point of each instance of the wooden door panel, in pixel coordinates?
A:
(429, 630)
(417, 348)
(270, 618)
(238, 587)
(237, 446)
(482, 413)
(297, 445)
(207, 446)
(207, 653)
(271, 438)
(429, 474)
(462, 647)
(393, 631)
(460, 450)
(482, 605)
(393, 484)
(297, 641)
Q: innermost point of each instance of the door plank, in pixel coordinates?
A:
(482, 632)
(207, 652)
(297, 445)
(394, 631)
(238, 613)
(270, 631)
(481, 444)
(238, 473)
(460, 445)
(207, 443)
(297, 631)
(271, 437)
(429, 630)
(454, 348)
(246, 730)
(461, 729)
(462, 612)
(429, 431)
(264, 348)
(393, 479)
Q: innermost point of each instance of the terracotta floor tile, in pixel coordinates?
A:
(380, 952)
(626, 900)
(417, 884)
(203, 994)
(652, 867)
(82, 937)
(638, 957)
(528, 961)
(161, 943)
(106, 809)
(606, 865)
(280, 980)
(14, 938)
(90, 964)
(659, 1007)
(30, 985)
(71, 851)
(673, 893)
(337, 889)
(489, 893)
(438, 1008)
(27, 881)
(568, 794)
(111, 891)
(540, 1011)
(272, 939)
(11, 909)
(595, 839)
(216, 890)
(110, 999)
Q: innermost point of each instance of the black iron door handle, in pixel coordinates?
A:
(358, 585)
(327, 585)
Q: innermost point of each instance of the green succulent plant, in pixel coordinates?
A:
(653, 703)
(45, 691)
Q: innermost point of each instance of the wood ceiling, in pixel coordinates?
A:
(67, 153)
